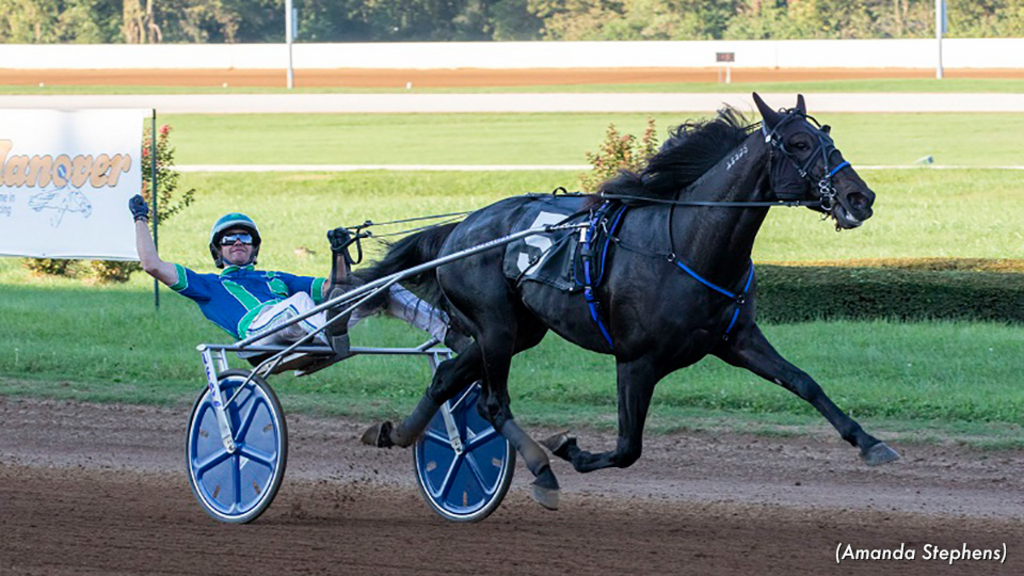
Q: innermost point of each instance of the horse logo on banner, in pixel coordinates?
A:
(62, 200)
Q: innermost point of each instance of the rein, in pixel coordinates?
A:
(360, 231)
(370, 223)
(761, 204)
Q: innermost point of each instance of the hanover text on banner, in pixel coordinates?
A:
(65, 180)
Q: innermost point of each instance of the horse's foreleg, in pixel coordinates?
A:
(751, 350)
(452, 377)
(636, 381)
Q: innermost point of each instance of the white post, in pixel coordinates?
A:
(940, 27)
(288, 24)
(725, 59)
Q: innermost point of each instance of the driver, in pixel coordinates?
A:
(243, 301)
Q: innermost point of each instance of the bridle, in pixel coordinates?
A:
(826, 202)
(825, 148)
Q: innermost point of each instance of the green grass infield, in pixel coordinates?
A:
(865, 139)
(71, 339)
(918, 214)
(918, 379)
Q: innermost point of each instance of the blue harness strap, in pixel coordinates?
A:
(740, 299)
(841, 165)
(595, 315)
(587, 255)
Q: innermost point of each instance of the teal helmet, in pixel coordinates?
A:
(233, 221)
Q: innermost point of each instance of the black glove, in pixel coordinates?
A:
(139, 208)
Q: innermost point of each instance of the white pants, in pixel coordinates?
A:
(402, 304)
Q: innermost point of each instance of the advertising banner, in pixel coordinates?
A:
(65, 181)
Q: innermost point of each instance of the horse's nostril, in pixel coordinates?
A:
(859, 201)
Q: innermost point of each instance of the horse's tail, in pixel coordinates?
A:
(412, 251)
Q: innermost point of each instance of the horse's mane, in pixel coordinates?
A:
(692, 149)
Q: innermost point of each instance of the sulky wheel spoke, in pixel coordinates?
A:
(212, 461)
(481, 438)
(247, 420)
(449, 477)
(475, 469)
(257, 456)
(435, 436)
(233, 398)
(236, 480)
(454, 404)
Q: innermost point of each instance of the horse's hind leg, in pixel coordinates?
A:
(451, 377)
(636, 381)
(498, 344)
(750, 349)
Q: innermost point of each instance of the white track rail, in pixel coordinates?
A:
(517, 103)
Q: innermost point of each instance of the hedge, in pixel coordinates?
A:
(918, 292)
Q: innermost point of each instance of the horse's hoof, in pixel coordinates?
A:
(559, 444)
(378, 435)
(880, 454)
(546, 497)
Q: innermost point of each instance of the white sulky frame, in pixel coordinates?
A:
(215, 361)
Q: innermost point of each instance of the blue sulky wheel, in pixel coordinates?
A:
(237, 487)
(463, 483)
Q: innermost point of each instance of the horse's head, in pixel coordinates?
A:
(806, 165)
(75, 201)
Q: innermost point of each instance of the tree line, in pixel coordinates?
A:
(238, 21)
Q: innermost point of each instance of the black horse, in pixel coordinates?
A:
(679, 284)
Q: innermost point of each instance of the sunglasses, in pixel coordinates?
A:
(230, 239)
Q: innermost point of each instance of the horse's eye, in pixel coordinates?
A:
(800, 146)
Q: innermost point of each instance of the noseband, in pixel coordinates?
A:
(826, 147)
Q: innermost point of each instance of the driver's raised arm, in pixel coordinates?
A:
(151, 262)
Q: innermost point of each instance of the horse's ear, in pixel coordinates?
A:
(770, 117)
(801, 106)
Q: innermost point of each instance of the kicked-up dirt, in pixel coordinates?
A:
(89, 489)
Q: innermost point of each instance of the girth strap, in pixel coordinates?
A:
(740, 299)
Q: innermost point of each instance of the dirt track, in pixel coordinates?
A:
(463, 77)
(93, 489)
(101, 490)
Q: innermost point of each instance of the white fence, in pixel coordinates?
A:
(514, 103)
(956, 53)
